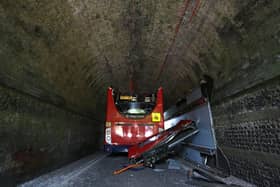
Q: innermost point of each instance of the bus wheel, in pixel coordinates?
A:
(152, 165)
(132, 161)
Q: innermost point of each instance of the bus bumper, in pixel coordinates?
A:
(115, 148)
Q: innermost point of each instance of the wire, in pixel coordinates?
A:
(128, 167)
(178, 26)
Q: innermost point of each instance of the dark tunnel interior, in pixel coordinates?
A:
(58, 57)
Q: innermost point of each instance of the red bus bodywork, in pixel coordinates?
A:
(138, 149)
(121, 132)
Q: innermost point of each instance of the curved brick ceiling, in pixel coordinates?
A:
(69, 51)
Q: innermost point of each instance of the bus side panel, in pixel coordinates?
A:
(159, 108)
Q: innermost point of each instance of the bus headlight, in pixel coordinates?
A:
(108, 138)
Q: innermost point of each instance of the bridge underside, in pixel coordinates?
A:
(57, 58)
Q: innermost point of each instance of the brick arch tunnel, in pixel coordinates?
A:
(57, 59)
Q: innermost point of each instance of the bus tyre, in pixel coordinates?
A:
(132, 161)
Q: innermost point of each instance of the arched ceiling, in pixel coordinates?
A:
(69, 51)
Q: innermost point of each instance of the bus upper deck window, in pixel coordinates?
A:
(147, 99)
(136, 111)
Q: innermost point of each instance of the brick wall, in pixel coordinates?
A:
(248, 130)
(36, 135)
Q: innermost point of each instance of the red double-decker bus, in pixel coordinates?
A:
(131, 119)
